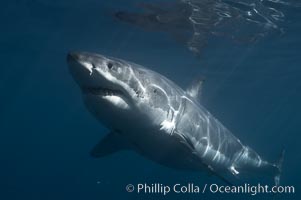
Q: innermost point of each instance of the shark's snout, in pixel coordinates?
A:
(79, 68)
(72, 57)
(100, 79)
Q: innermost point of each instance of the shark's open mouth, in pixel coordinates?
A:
(113, 96)
(101, 91)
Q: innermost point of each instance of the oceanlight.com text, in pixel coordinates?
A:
(192, 188)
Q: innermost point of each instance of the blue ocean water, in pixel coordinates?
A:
(46, 133)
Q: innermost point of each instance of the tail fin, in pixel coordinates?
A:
(278, 164)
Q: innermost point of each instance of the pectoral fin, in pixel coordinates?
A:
(109, 144)
(214, 173)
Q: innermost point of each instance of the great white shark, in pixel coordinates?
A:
(150, 114)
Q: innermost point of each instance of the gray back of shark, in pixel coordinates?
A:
(148, 113)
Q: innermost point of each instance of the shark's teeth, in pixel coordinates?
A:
(101, 91)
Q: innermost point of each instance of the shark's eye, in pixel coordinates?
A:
(93, 66)
(110, 65)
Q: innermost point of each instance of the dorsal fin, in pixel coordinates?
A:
(195, 90)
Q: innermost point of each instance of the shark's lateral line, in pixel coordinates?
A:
(151, 115)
